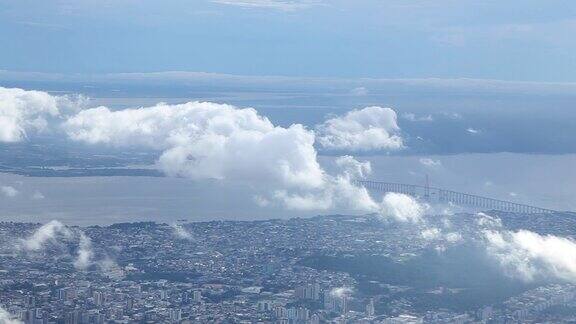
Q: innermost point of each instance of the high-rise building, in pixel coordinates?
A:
(485, 313)
(280, 312)
(175, 315)
(298, 314)
(197, 296)
(308, 292)
(98, 298)
(265, 305)
(314, 319)
(30, 301)
(73, 317)
(370, 308)
(329, 301)
(185, 298)
(344, 305)
(63, 293)
(114, 272)
(129, 304)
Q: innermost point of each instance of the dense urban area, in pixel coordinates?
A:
(338, 269)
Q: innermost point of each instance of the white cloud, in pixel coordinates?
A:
(261, 201)
(85, 253)
(453, 237)
(487, 222)
(402, 208)
(359, 91)
(110, 268)
(23, 111)
(530, 256)
(180, 232)
(284, 5)
(413, 118)
(53, 232)
(430, 234)
(522, 254)
(371, 128)
(428, 162)
(352, 167)
(205, 140)
(472, 131)
(7, 318)
(37, 195)
(340, 292)
(337, 193)
(86, 257)
(9, 191)
(438, 235)
(47, 233)
(202, 140)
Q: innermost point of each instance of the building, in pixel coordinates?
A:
(370, 308)
(308, 292)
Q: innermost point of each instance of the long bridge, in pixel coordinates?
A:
(433, 194)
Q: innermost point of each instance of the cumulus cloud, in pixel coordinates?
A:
(521, 254)
(202, 140)
(337, 193)
(9, 191)
(207, 140)
(7, 318)
(85, 253)
(23, 111)
(402, 208)
(46, 234)
(531, 256)
(371, 128)
(353, 168)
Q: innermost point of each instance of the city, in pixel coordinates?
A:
(249, 272)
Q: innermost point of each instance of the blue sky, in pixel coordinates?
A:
(506, 40)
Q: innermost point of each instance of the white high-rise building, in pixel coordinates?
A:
(197, 296)
(370, 308)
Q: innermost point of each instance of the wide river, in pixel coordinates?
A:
(541, 180)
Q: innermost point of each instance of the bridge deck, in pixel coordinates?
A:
(459, 198)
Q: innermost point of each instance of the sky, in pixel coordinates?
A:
(504, 40)
(285, 104)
